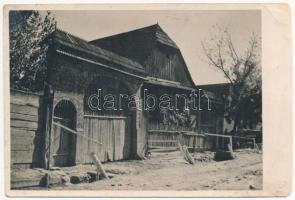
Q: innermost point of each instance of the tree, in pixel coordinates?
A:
(28, 31)
(243, 72)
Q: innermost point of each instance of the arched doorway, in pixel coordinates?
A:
(63, 146)
(109, 125)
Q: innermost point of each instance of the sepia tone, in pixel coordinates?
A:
(61, 141)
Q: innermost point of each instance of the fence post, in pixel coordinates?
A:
(254, 143)
(217, 143)
(194, 143)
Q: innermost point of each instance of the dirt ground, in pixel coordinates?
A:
(169, 171)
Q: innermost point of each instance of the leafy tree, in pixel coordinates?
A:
(28, 49)
(243, 72)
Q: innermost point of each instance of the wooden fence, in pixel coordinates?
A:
(243, 142)
(199, 142)
(154, 125)
(170, 139)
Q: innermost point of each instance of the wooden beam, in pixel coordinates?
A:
(99, 167)
(47, 123)
(218, 135)
(100, 64)
(105, 117)
(75, 132)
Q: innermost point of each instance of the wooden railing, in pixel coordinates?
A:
(153, 125)
(170, 139)
(195, 141)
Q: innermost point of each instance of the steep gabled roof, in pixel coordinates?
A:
(163, 38)
(73, 43)
(126, 51)
(136, 44)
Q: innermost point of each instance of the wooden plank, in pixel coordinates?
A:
(24, 117)
(19, 141)
(218, 135)
(20, 131)
(193, 134)
(75, 132)
(24, 109)
(24, 124)
(21, 156)
(20, 184)
(24, 98)
(98, 164)
(23, 101)
(105, 117)
(164, 141)
(163, 131)
(22, 147)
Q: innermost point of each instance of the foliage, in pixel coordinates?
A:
(28, 49)
(243, 72)
(176, 117)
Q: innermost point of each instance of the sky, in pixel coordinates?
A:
(186, 28)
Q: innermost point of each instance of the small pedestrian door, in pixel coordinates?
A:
(63, 142)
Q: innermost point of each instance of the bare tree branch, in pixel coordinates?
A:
(216, 64)
(241, 71)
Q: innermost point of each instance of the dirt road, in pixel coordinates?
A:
(169, 171)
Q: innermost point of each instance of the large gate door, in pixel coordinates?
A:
(113, 134)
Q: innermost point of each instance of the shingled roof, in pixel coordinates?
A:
(136, 44)
(125, 51)
(66, 41)
(163, 38)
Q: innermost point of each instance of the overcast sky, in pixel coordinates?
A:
(186, 28)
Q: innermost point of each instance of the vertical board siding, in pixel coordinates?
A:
(112, 133)
(167, 66)
(25, 129)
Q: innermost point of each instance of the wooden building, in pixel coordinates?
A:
(66, 130)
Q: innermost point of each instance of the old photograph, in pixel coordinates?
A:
(135, 100)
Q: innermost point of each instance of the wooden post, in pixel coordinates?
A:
(231, 141)
(194, 143)
(99, 167)
(254, 143)
(230, 148)
(217, 143)
(199, 122)
(47, 123)
(186, 154)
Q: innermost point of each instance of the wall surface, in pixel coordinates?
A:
(25, 129)
(70, 78)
